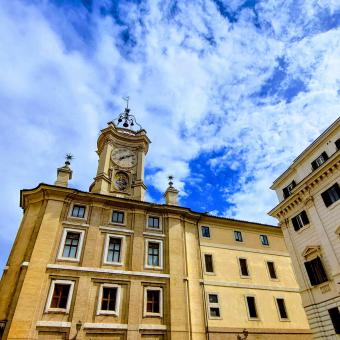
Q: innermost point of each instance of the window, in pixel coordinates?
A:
(154, 254)
(205, 231)
(113, 249)
(153, 301)
(300, 220)
(71, 245)
(117, 217)
(316, 271)
(331, 195)
(271, 270)
(209, 268)
(335, 318)
(264, 240)
(320, 160)
(109, 298)
(213, 306)
(153, 222)
(78, 211)
(251, 307)
(60, 295)
(287, 191)
(282, 308)
(238, 236)
(337, 144)
(243, 267)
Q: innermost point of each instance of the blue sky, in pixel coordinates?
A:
(228, 91)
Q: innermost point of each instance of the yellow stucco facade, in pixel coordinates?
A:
(104, 264)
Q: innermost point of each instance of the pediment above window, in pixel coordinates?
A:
(311, 251)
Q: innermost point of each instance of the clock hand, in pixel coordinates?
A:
(123, 157)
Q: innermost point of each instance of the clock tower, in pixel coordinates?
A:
(121, 148)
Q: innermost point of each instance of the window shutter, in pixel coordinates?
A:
(310, 272)
(326, 198)
(320, 271)
(324, 155)
(304, 217)
(334, 314)
(295, 224)
(337, 144)
(337, 188)
(293, 184)
(314, 165)
(285, 192)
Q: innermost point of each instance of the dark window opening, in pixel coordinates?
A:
(271, 269)
(319, 160)
(331, 195)
(209, 268)
(316, 271)
(109, 298)
(78, 211)
(300, 220)
(117, 217)
(264, 240)
(282, 308)
(153, 254)
(288, 189)
(214, 312)
(153, 222)
(153, 301)
(334, 314)
(60, 295)
(337, 144)
(251, 307)
(244, 267)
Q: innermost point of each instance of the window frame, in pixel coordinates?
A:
(261, 240)
(213, 305)
(328, 203)
(62, 245)
(78, 218)
(240, 267)
(268, 271)
(316, 162)
(242, 239)
(202, 235)
(251, 318)
(100, 297)
(278, 309)
(212, 262)
(151, 314)
(48, 308)
(298, 217)
(118, 211)
(146, 255)
(106, 249)
(159, 222)
(323, 269)
(287, 190)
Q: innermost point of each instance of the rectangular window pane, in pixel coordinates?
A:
(205, 231)
(60, 295)
(282, 308)
(238, 236)
(71, 245)
(153, 301)
(213, 298)
(109, 298)
(117, 217)
(334, 314)
(153, 254)
(271, 269)
(215, 312)
(251, 306)
(244, 267)
(153, 222)
(78, 211)
(264, 240)
(208, 263)
(114, 250)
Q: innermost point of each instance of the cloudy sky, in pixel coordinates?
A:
(229, 91)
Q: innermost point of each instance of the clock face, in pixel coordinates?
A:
(124, 158)
(121, 181)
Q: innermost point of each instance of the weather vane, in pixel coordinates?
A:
(68, 158)
(125, 118)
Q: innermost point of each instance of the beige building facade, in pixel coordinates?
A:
(309, 215)
(105, 264)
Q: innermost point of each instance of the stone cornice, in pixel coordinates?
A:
(301, 193)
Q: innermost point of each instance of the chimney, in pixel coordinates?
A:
(64, 173)
(171, 193)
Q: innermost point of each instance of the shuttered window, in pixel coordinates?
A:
(316, 271)
(320, 160)
(288, 189)
(334, 314)
(331, 195)
(300, 220)
(337, 144)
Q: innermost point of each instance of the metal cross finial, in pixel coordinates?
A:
(171, 183)
(68, 158)
(127, 98)
(126, 119)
